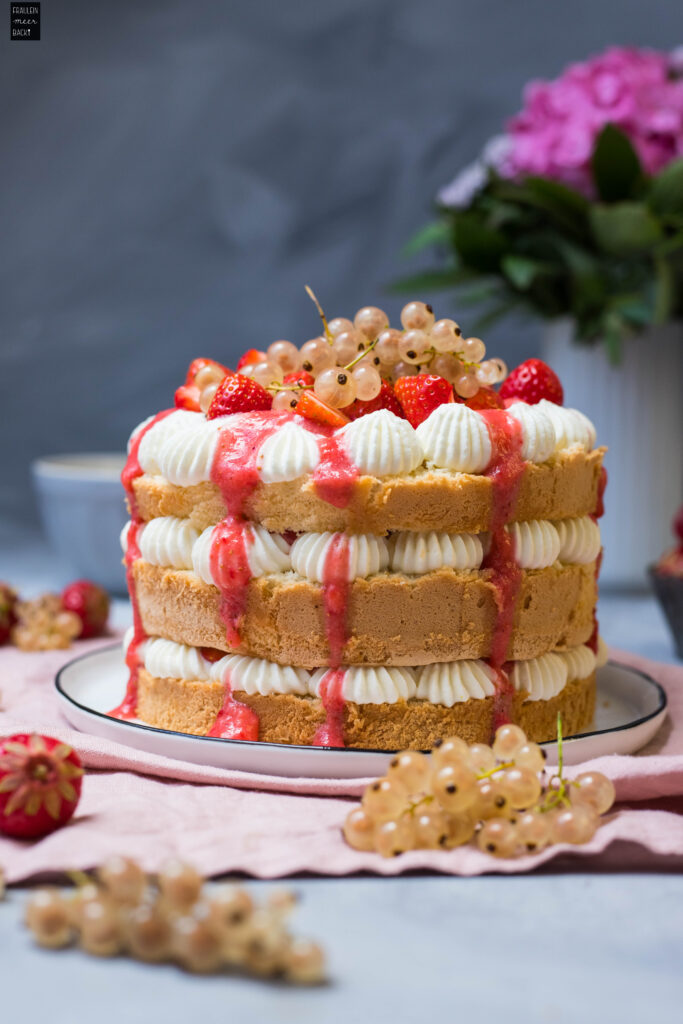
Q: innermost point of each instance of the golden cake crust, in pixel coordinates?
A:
(392, 619)
(564, 487)
(191, 706)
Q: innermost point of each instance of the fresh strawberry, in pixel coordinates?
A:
(302, 377)
(252, 355)
(238, 394)
(90, 603)
(198, 364)
(532, 381)
(313, 408)
(485, 398)
(187, 397)
(8, 614)
(421, 394)
(386, 399)
(40, 785)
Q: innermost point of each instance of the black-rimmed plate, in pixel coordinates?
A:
(630, 708)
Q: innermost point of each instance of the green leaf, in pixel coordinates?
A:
(613, 333)
(479, 246)
(665, 291)
(616, 168)
(522, 271)
(624, 228)
(436, 233)
(427, 280)
(666, 192)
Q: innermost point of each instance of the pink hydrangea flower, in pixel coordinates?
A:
(636, 90)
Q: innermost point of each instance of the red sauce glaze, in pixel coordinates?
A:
(234, 469)
(230, 570)
(505, 472)
(234, 721)
(335, 475)
(331, 732)
(336, 595)
(127, 709)
(599, 512)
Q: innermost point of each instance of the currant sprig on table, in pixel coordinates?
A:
(499, 796)
(174, 917)
(350, 358)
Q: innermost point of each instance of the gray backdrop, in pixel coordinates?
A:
(174, 171)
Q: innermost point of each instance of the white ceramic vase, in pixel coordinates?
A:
(637, 409)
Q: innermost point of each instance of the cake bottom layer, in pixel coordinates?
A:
(191, 706)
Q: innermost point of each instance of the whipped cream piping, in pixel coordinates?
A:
(536, 543)
(185, 458)
(580, 541)
(381, 444)
(417, 553)
(456, 437)
(538, 431)
(368, 555)
(580, 661)
(291, 452)
(167, 541)
(266, 552)
(447, 683)
(453, 682)
(177, 423)
(571, 426)
(255, 675)
(541, 678)
(371, 685)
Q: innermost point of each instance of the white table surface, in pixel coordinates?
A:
(542, 948)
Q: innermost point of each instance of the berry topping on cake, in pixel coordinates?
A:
(40, 785)
(386, 399)
(485, 398)
(202, 371)
(236, 393)
(8, 615)
(313, 408)
(187, 397)
(421, 395)
(90, 603)
(532, 381)
(250, 358)
(303, 378)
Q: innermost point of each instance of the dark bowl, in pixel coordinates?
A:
(669, 591)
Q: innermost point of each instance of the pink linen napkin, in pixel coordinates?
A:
(151, 807)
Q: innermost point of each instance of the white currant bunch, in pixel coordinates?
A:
(496, 795)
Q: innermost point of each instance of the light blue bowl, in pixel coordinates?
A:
(82, 505)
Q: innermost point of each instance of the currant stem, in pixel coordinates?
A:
(321, 314)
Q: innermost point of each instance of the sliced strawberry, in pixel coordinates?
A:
(198, 364)
(421, 394)
(485, 398)
(238, 394)
(252, 355)
(301, 377)
(386, 399)
(187, 397)
(40, 785)
(313, 408)
(532, 381)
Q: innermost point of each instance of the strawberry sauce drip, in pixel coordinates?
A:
(336, 595)
(127, 709)
(331, 732)
(592, 642)
(234, 469)
(505, 473)
(234, 721)
(229, 560)
(335, 475)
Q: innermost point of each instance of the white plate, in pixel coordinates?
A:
(630, 707)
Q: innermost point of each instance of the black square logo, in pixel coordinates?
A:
(24, 21)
